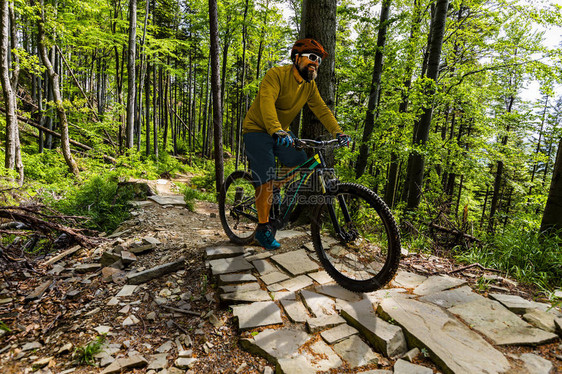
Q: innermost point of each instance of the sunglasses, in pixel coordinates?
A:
(312, 57)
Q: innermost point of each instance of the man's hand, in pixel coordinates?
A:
(343, 139)
(283, 138)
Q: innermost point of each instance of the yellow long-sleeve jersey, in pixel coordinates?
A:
(281, 96)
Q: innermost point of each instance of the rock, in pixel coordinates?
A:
(38, 291)
(558, 324)
(324, 321)
(155, 272)
(386, 338)
(141, 249)
(294, 284)
(257, 314)
(86, 268)
(318, 304)
(536, 364)
(296, 262)
(121, 364)
(295, 310)
(338, 333)
(323, 357)
(411, 354)
(450, 344)
(130, 320)
(295, 365)
(108, 272)
(240, 287)
(108, 258)
(236, 278)
(438, 283)
(356, 352)
(517, 304)
(176, 200)
(276, 344)
(128, 258)
(241, 368)
(499, 324)
(150, 240)
(321, 277)
(31, 346)
(274, 277)
(223, 252)
(102, 329)
(127, 290)
(264, 267)
(65, 348)
(158, 361)
(450, 298)
(338, 292)
(41, 363)
(185, 362)
(405, 367)
(541, 320)
(229, 265)
(246, 296)
(407, 280)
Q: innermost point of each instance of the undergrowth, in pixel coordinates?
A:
(85, 354)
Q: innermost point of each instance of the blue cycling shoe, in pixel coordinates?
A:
(266, 238)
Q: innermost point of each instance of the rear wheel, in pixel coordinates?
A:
(356, 238)
(237, 207)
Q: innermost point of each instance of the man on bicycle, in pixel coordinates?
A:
(282, 94)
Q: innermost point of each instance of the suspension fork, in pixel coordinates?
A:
(343, 234)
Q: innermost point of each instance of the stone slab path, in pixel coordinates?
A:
(303, 322)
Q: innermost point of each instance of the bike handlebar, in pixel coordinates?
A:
(309, 143)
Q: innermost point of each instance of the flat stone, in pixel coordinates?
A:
(541, 320)
(128, 257)
(338, 292)
(107, 273)
(318, 304)
(264, 267)
(295, 310)
(295, 284)
(405, 367)
(229, 265)
(86, 268)
(296, 262)
(289, 234)
(223, 252)
(166, 347)
(385, 337)
(295, 365)
(412, 354)
(438, 283)
(158, 361)
(314, 325)
(246, 296)
(108, 258)
(558, 324)
(168, 200)
(155, 272)
(274, 277)
(258, 256)
(517, 304)
(41, 362)
(558, 294)
(38, 291)
(536, 364)
(323, 357)
(338, 333)
(30, 346)
(150, 240)
(356, 352)
(407, 280)
(236, 278)
(499, 324)
(102, 329)
(130, 320)
(185, 362)
(450, 298)
(123, 364)
(321, 277)
(257, 314)
(240, 287)
(451, 344)
(276, 344)
(141, 249)
(127, 290)
(284, 295)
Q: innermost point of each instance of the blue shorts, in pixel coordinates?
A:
(261, 151)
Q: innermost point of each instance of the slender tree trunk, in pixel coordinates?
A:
(552, 216)
(131, 87)
(13, 151)
(372, 107)
(54, 79)
(421, 130)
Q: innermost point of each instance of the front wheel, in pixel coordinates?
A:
(237, 207)
(356, 238)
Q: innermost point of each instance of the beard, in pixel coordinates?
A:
(308, 72)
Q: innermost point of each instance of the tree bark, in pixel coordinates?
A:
(552, 216)
(55, 87)
(131, 88)
(13, 151)
(421, 129)
(372, 107)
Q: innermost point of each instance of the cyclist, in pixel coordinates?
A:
(282, 94)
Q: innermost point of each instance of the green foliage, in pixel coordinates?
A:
(4, 327)
(84, 355)
(101, 199)
(523, 254)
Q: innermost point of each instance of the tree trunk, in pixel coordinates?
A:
(13, 151)
(372, 107)
(131, 87)
(319, 23)
(552, 216)
(421, 129)
(55, 87)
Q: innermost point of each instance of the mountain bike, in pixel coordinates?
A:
(353, 231)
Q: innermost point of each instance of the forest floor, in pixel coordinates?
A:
(173, 323)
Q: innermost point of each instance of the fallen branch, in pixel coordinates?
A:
(472, 266)
(454, 232)
(178, 310)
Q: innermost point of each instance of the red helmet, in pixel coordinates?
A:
(308, 45)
